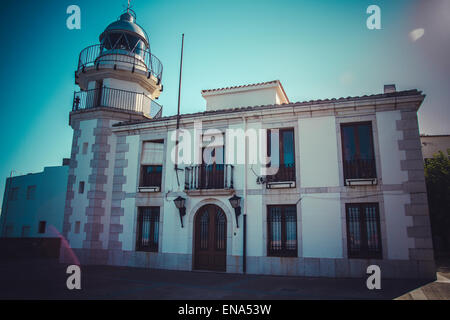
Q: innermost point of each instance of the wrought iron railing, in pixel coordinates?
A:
(97, 55)
(360, 169)
(151, 176)
(116, 98)
(286, 172)
(214, 176)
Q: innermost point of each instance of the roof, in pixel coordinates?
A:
(434, 135)
(264, 107)
(126, 23)
(234, 89)
(243, 86)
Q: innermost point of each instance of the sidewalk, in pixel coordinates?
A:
(46, 279)
(438, 290)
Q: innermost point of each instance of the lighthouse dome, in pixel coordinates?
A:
(124, 32)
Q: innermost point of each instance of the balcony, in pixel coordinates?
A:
(117, 99)
(283, 178)
(151, 178)
(214, 177)
(98, 56)
(360, 172)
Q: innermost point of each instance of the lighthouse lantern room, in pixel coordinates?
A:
(120, 72)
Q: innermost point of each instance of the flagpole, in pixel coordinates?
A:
(178, 111)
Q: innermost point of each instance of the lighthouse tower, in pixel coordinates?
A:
(119, 80)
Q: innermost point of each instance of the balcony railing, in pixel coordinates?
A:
(116, 98)
(360, 169)
(97, 55)
(286, 172)
(214, 176)
(151, 176)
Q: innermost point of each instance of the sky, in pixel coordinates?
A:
(318, 49)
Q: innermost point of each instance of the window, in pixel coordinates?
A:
(9, 230)
(151, 176)
(363, 231)
(282, 230)
(31, 192)
(212, 170)
(357, 151)
(25, 231)
(151, 165)
(77, 227)
(81, 187)
(85, 147)
(281, 150)
(14, 193)
(42, 225)
(148, 229)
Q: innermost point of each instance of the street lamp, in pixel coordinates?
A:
(235, 202)
(179, 203)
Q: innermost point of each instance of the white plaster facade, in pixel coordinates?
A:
(264, 93)
(32, 198)
(320, 194)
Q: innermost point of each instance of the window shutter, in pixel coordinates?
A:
(152, 153)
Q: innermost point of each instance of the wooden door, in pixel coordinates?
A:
(210, 239)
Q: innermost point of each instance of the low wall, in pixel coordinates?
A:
(11, 248)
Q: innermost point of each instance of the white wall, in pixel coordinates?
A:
(175, 238)
(123, 99)
(47, 205)
(131, 173)
(396, 224)
(321, 225)
(390, 155)
(318, 152)
(247, 98)
(255, 241)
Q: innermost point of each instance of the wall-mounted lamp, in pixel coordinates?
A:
(179, 203)
(235, 202)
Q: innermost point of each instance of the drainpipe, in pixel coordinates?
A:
(244, 217)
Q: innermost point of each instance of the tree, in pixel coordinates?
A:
(437, 176)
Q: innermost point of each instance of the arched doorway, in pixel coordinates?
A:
(210, 239)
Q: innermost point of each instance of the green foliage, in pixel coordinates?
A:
(437, 175)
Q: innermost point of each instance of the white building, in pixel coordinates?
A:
(349, 190)
(33, 204)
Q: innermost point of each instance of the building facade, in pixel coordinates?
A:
(432, 144)
(256, 183)
(33, 204)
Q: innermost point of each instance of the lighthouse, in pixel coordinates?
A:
(119, 80)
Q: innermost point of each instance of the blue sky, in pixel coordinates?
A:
(317, 49)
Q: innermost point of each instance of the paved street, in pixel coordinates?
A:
(46, 279)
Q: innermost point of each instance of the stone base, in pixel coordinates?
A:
(302, 267)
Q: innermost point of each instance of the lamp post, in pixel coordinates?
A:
(235, 202)
(179, 203)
